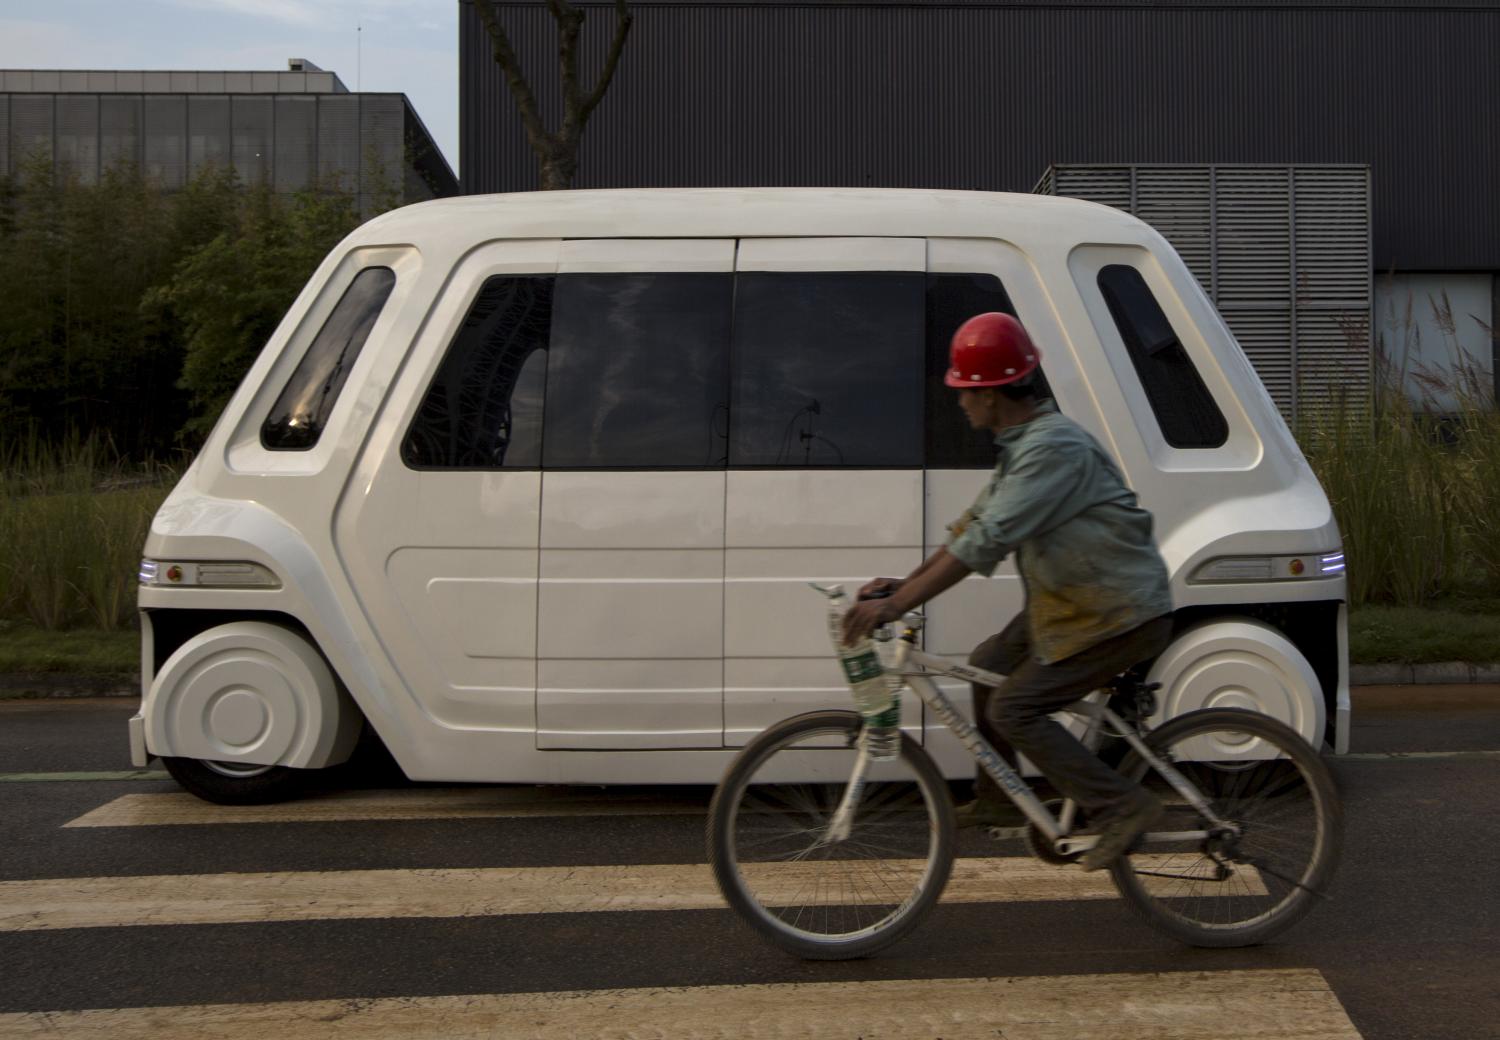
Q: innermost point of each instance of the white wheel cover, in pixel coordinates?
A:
(1239, 664)
(246, 693)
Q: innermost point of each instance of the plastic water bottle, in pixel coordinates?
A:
(874, 693)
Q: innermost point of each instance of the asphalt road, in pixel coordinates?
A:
(1409, 944)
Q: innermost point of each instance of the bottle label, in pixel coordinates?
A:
(859, 669)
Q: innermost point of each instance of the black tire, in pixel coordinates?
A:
(763, 840)
(1276, 870)
(226, 783)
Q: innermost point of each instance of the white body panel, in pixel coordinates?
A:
(596, 626)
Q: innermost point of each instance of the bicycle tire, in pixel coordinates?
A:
(905, 820)
(1291, 821)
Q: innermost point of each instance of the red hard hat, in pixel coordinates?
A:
(990, 350)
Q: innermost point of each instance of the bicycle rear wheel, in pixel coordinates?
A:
(1235, 890)
(772, 857)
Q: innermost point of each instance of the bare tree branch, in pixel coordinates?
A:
(509, 64)
(556, 153)
(623, 19)
(569, 25)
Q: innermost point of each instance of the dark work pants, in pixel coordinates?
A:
(1014, 716)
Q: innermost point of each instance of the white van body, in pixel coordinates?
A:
(633, 623)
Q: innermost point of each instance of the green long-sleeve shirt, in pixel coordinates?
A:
(1083, 547)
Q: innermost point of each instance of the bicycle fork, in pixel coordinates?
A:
(843, 817)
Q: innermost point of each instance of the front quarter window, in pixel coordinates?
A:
(302, 409)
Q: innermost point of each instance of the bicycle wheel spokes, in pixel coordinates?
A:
(778, 864)
(1233, 889)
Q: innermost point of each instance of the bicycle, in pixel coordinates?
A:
(834, 839)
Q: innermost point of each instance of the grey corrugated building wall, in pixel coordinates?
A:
(291, 129)
(987, 95)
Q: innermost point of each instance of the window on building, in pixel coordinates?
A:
(1185, 410)
(300, 413)
(953, 299)
(484, 407)
(637, 374)
(827, 369)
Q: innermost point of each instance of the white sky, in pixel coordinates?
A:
(407, 46)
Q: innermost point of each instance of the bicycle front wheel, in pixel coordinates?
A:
(1241, 887)
(782, 871)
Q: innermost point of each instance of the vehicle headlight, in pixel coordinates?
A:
(206, 574)
(1227, 569)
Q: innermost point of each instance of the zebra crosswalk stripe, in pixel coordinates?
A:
(107, 902)
(1269, 1005)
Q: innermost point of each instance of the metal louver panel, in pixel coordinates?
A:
(338, 141)
(1332, 237)
(77, 146)
(1254, 237)
(30, 129)
(1106, 185)
(296, 142)
(382, 124)
(1284, 251)
(1266, 337)
(1177, 202)
(208, 133)
(119, 131)
(166, 140)
(250, 126)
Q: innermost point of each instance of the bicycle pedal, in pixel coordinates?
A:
(1005, 833)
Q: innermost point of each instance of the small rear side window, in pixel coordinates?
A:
(953, 299)
(300, 413)
(1184, 409)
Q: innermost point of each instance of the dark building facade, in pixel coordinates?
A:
(989, 95)
(290, 129)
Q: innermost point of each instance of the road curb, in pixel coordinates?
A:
(17, 685)
(1438, 674)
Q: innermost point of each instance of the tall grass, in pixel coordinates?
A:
(1415, 489)
(72, 523)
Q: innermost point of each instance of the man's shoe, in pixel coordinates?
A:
(984, 812)
(1119, 829)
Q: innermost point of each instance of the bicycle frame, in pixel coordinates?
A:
(917, 669)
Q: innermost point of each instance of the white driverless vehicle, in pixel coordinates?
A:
(533, 485)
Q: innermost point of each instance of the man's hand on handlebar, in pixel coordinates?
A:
(867, 615)
(879, 588)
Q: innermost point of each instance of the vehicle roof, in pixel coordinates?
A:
(749, 212)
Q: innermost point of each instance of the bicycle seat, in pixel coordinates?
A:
(1130, 697)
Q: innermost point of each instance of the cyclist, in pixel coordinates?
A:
(1097, 598)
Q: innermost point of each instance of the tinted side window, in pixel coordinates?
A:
(827, 369)
(484, 407)
(953, 299)
(638, 371)
(300, 413)
(1186, 412)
